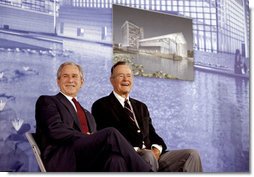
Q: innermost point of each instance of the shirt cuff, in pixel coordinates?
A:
(159, 147)
(136, 148)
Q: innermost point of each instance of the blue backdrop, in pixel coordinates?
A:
(210, 114)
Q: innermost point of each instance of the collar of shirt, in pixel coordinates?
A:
(70, 99)
(120, 98)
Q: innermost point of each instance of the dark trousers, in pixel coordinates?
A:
(107, 150)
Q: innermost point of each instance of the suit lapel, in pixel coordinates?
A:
(89, 120)
(118, 108)
(69, 107)
(137, 113)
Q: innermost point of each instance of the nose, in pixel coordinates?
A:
(126, 78)
(70, 79)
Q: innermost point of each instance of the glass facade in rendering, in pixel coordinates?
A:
(132, 34)
(44, 6)
(219, 25)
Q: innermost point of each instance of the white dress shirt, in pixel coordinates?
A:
(70, 99)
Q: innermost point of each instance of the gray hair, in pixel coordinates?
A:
(59, 71)
(119, 63)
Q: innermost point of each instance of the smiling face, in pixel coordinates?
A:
(122, 80)
(70, 80)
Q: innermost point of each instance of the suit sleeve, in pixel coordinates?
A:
(153, 136)
(99, 111)
(50, 121)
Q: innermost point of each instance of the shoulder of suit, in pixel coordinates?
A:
(51, 97)
(45, 97)
(137, 101)
(102, 99)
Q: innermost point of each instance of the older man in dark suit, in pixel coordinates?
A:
(67, 136)
(131, 117)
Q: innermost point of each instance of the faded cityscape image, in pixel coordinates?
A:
(155, 44)
(207, 109)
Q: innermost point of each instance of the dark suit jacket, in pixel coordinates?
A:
(108, 112)
(57, 127)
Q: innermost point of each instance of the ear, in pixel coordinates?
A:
(82, 82)
(111, 80)
(57, 81)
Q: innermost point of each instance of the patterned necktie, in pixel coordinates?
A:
(81, 115)
(128, 110)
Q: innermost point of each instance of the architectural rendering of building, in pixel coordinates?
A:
(171, 44)
(29, 15)
(208, 111)
(131, 34)
(216, 23)
(219, 26)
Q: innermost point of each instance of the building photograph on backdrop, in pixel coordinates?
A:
(156, 44)
(194, 79)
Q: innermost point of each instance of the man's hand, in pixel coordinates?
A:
(156, 152)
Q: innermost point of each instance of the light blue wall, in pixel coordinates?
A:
(210, 114)
(35, 22)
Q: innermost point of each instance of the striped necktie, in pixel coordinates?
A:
(128, 110)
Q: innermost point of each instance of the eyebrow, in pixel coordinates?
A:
(64, 74)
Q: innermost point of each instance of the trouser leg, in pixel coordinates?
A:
(115, 163)
(148, 156)
(95, 149)
(187, 160)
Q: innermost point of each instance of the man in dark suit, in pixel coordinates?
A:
(67, 136)
(131, 118)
